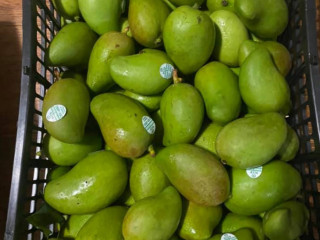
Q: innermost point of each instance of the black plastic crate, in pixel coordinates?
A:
(41, 23)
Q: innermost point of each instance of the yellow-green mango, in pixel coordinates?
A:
(214, 5)
(189, 38)
(65, 110)
(191, 3)
(196, 173)
(57, 172)
(73, 225)
(262, 86)
(92, 184)
(146, 20)
(147, 73)
(290, 147)
(198, 222)
(241, 234)
(108, 46)
(252, 141)
(219, 88)
(104, 225)
(71, 47)
(68, 154)
(151, 103)
(280, 54)
(125, 125)
(182, 112)
(69, 9)
(287, 221)
(233, 222)
(265, 18)
(154, 217)
(230, 34)
(258, 190)
(102, 15)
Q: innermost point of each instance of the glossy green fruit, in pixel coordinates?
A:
(146, 179)
(262, 86)
(69, 9)
(214, 5)
(71, 47)
(191, 3)
(241, 234)
(57, 172)
(182, 112)
(219, 88)
(125, 125)
(61, 114)
(153, 217)
(196, 173)
(146, 21)
(74, 224)
(198, 222)
(151, 103)
(258, 190)
(92, 184)
(287, 221)
(104, 225)
(108, 46)
(189, 37)
(230, 34)
(102, 15)
(252, 141)
(290, 147)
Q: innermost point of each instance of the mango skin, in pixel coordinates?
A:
(69, 9)
(189, 38)
(146, 179)
(92, 184)
(153, 217)
(74, 224)
(151, 103)
(109, 45)
(71, 47)
(219, 88)
(71, 94)
(196, 173)
(140, 73)
(146, 20)
(120, 121)
(279, 181)
(104, 225)
(102, 16)
(290, 147)
(182, 112)
(252, 141)
(73, 74)
(214, 5)
(57, 172)
(241, 234)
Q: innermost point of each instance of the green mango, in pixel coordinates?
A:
(154, 217)
(198, 222)
(57, 172)
(290, 147)
(158, 135)
(252, 141)
(61, 114)
(266, 19)
(125, 28)
(230, 34)
(280, 54)
(287, 221)
(73, 225)
(108, 46)
(241, 234)
(262, 86)
(233, 222)
(257, 190)
(92, 184)
(146, 179)
(189, 37)
(191, 3)
(219, 88)
(207, 137)
(75, 75)
(69, 9)
(125, 125)
(151, 103)
(147, 73)
(146, 20)
(196, 173)
(68, 154)
(71, 47)
(214, 5)
(104, 225)
(102, 15)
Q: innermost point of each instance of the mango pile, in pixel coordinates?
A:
(167, 122)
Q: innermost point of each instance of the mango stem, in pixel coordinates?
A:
(56, 75)
(151, 151)
(176, 78)
(126, 30)
(170, 5)
(158, 41)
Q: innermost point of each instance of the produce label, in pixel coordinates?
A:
(148, 124)
(228, 236)
(56, 112)
(166, 70)
(254, 172)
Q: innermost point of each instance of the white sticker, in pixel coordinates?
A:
(148, 124)
(254, 172)
(56, 112)
(166, 70)
(228, 236)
